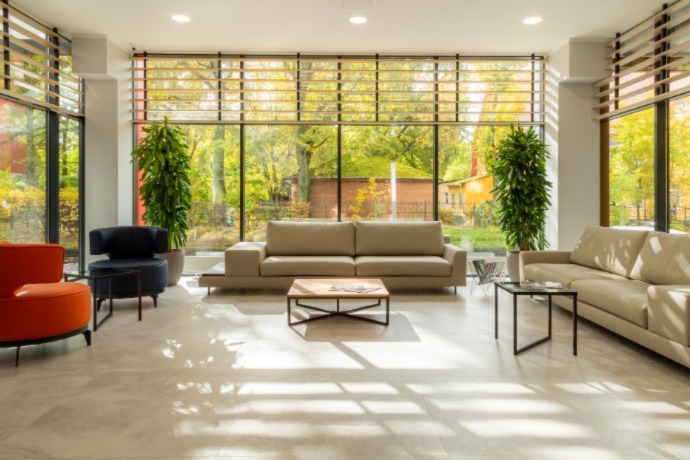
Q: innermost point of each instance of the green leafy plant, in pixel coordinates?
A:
(163, 159)
(521, 188)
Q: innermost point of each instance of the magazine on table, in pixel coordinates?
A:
(539, 285)
(358, 288)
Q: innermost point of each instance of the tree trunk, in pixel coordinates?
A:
(218, 166)
(64, 169)
(303, 154)
(31, 160)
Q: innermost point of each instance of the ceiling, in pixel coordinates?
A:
(409, 27)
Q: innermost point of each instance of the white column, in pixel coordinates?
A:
(573, 138)
(109, 182)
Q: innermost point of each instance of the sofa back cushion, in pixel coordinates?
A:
(399, 238)
(664, 259)
(310, 239)
(609, 249)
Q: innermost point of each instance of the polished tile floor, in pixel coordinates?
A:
(223, 376)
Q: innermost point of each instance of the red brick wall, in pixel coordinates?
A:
(414, 198)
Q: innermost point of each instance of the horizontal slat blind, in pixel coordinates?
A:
(337, 90)
(37, 64)
(649, 63)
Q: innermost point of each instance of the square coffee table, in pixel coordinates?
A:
(521, 289)
(320, 289)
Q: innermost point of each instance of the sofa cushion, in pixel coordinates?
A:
(308, 266)
(402, 266)
(310, 238)
(564, 273)
(664, 259)
(626, 299)
(399, 238)
(609, 249)
(669, 312)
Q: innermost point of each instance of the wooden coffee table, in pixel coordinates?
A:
(320, 289)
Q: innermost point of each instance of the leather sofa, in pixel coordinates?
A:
(634, 283)
(401, 254)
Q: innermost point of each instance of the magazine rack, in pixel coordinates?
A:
(487, 273)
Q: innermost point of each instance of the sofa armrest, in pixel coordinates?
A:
(668, 312)
(457, 258)
(543, 257)
(244, 259)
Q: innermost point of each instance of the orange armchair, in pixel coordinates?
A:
(35, 307)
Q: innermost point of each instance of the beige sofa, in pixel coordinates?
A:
(401, 254)
(635, 283)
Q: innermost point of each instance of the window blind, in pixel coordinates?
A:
(37, 64)
(649, 63)
(346, 90)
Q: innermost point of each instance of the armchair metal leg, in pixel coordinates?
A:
(16, 360)
(87, 337)
(155, 300)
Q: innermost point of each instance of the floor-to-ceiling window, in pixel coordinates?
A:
(631, 170)
(22, 173)
(339, 138)
(41, 125)
(643, 104)
(679, 164)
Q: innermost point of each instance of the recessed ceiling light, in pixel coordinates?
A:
(532, 20)
(180, 18)
(358, 20)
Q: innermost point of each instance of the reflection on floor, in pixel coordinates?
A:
(224, 376)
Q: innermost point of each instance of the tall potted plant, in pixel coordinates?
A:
(164, 161)
(521, 191)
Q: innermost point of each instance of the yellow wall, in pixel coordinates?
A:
(478, 191)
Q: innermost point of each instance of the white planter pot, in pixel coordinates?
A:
(175, 260)
(513, 264)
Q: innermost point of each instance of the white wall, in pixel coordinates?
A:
(578, 166)
(108, 135)
(573, 139)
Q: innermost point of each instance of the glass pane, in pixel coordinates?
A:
(69, 190)
(631, 170)
(22, 173)
(465, 200)
(387, 173)
(679, 165)
(291, 174)
(214, 217)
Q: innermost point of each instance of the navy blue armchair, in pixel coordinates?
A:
(130, 248)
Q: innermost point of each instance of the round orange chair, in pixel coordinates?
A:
(35, 307)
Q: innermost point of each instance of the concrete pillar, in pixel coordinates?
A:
(109, 176)
(573, 138)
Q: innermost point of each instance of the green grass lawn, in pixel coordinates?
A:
(488, 239)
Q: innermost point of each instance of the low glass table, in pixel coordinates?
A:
(87, 275)
(517, 289)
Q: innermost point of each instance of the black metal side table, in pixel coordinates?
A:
(86, 275)
(517, 289)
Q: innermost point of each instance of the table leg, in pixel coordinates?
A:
(95, 305)
(515, 347)
(575, 324)
(110, 294)
(288, 311)
(139, 291)
(550, 307)
(495, 311)
(388, 305)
